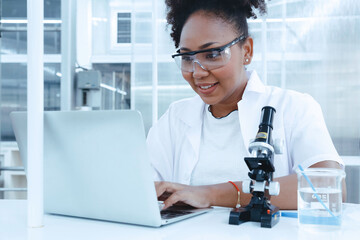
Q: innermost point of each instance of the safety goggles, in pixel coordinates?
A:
(208, 59)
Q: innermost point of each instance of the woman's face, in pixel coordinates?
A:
(221, 87)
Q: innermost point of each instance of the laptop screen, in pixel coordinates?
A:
(95, 165)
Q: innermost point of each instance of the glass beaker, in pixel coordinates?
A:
(320, 197)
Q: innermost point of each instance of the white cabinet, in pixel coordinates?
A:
(15, 181)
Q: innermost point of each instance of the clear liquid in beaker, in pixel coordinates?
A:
(313, 214)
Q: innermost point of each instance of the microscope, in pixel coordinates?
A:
(261, 172)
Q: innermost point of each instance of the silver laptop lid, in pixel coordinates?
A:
(95, 165)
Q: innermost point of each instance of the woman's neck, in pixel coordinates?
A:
(223, 109)
(220, 112)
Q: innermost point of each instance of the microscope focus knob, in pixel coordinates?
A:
(246, 186)
(274, 188)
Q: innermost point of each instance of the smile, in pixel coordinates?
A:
(207, 86)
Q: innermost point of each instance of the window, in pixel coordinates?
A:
(124, 28)
(13, 60)
(119, 31)
(115, 85)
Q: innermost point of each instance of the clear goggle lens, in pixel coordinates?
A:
(207, 60)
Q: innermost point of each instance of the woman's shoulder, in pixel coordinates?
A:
(294, 107)
(186, 106)
(290, 97)
(184, 102)
(188, 111)
(274, 94)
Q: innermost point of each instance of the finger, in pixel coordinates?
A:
(162, 187)
(174, 198)
(164, 196)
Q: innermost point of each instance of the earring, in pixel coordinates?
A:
(246, 60)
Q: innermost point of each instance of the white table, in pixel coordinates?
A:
(213, 225)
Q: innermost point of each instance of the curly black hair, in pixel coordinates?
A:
(234, 12)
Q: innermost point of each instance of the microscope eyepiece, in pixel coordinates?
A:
(265, 127)
(267, 116)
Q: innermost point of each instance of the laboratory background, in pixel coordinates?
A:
(311, 46)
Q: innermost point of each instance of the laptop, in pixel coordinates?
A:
(96, 166)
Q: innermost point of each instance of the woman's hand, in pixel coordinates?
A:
(171, 193)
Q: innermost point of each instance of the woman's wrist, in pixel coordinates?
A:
(210, 194)
(223, 194)
(238, 205)
(226, 195)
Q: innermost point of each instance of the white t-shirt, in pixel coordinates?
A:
(221, 151)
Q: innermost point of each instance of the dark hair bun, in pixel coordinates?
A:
(232, 11)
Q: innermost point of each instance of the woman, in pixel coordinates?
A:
(199, 144)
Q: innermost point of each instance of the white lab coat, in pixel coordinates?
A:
(174, 141)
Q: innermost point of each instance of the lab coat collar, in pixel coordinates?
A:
(193, 112)
(192, 116)
(249, 108)
(254, 83)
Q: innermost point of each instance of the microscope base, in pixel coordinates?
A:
(267, 217)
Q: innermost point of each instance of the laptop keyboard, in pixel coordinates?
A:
(168, 214)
